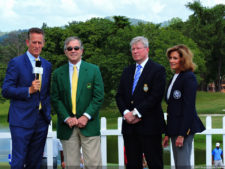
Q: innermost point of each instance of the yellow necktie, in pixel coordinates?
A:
(74, 89)
(39, 78)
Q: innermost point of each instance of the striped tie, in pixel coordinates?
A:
(136, 77)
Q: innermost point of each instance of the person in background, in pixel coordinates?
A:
(138, 98)
(217, 156)
(30, 109)
(57, 147)
(144, 163)
(182, 119)
(77, 94)
(81, 159)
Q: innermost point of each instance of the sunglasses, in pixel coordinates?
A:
(75, 48)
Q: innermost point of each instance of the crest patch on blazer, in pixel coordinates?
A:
(176, 94)
(145, 88)
(89, 85)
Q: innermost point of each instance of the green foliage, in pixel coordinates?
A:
(106, 44)
(162, 38)
(13, 45)
(206, 27)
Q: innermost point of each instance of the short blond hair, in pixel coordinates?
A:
(186, 57)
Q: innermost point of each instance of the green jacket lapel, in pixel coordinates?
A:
(66, 83)
(81, 78)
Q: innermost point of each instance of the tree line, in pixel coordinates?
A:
(106, 43)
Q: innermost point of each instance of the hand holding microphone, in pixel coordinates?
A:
(36, 84)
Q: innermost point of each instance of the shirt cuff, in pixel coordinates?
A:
(125, 112)
(28, 92)
(66, 119)
(136, 112)
(87, 115)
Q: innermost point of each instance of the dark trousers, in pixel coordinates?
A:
(44, 163)
(28, 145)
(150, 145)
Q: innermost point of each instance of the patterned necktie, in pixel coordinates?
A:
(74, 89)
(39, 78)
(136, 77)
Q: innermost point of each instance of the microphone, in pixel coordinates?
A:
(37, 69)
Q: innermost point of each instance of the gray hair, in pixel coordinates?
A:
(72, 38)
(142, 39)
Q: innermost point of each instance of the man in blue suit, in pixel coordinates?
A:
(29, 111)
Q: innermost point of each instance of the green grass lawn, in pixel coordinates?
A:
(4, 108)
(210, 103)
(4, 166)
(206, 103)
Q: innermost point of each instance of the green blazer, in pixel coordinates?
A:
(90, 94)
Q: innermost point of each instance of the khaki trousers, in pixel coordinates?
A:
(91, 151)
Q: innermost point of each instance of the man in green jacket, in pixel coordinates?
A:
(77, 93)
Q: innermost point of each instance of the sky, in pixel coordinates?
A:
(23, 14)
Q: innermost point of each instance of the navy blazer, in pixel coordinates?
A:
(146, 98)
(24, 109)
(182, 118)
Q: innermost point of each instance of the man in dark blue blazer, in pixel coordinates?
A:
(29, 112)
(139, 101)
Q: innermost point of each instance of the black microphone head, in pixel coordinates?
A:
(38, 63)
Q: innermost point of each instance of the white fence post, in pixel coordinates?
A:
(50, 147)
(120, 144)
(223, 138)
(208, 141)
(172, 163)
(103, 142)
(117, 132)
(193, 154)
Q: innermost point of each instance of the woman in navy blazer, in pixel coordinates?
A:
(182, 120)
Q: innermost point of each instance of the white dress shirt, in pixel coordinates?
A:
(135, 111)
(171, 85)
(71, 75)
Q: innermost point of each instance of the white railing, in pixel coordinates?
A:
(117, 132)
(51, 135)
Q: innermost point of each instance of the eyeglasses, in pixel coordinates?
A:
(75, 48)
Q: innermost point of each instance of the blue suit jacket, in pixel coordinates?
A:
(182, 117)
(146, 98)
(24, 109)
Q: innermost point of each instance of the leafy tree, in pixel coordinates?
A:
(12, 46)
(206, 27)
(15, 44)
(162, 38)
(54, 43)
(106, 43)
(121, 22)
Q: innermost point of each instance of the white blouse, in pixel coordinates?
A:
(171, 85)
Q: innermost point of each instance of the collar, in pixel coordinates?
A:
(31, 57)
(77, 65)
(143, 63)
